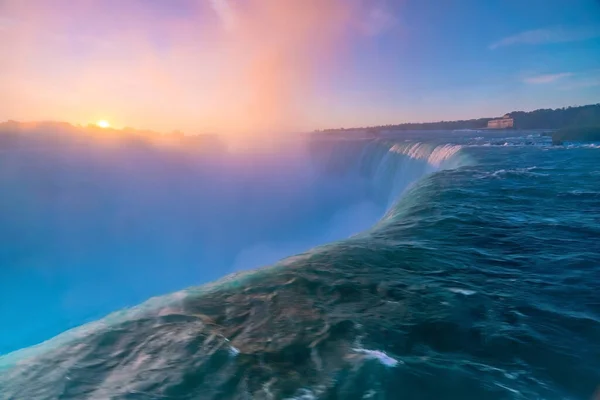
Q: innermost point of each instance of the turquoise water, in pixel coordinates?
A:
(449, 266)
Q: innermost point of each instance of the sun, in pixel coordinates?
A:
(103, 124)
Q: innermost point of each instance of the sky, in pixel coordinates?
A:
(279, 65)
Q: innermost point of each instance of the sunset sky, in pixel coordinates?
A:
(243, 65)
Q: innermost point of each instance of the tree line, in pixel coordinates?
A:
(566, 117)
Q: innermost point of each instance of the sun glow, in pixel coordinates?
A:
(103, 124)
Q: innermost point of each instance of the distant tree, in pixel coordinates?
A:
(570, 117)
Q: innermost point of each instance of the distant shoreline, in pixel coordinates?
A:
(548, 119)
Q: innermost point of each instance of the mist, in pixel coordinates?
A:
(93, 229)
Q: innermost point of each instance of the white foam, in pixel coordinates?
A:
(465, 292)
(304, 394)
(507, 388)
(370, 394)
(435, 156)
(380, 356)
(442, 154)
